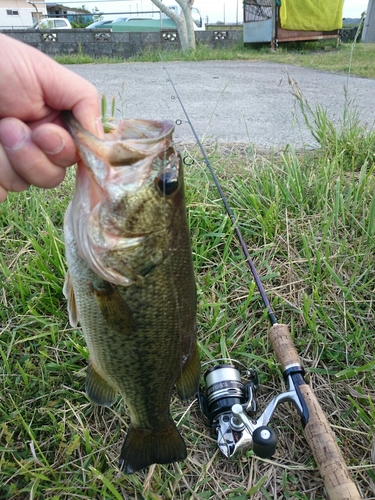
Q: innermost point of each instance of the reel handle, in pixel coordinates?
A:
(318, 434)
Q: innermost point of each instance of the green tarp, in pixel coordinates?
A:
(311, 15)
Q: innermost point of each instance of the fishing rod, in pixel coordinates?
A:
(231, 406)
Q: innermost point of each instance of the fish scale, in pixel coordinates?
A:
(130, 282)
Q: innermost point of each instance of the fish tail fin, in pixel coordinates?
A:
(187, 385)
(143, 447)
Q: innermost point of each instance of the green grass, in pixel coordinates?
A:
(82, 58)
(308, 219)
(316, 55)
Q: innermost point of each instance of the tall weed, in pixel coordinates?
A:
(351, 142)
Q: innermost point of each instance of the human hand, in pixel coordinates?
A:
(35, 148)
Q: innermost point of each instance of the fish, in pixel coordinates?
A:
(130, 283)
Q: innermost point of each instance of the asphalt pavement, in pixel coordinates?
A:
(232, 101)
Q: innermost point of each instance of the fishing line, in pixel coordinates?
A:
(249, 261)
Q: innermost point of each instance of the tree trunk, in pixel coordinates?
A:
(184, 22)
(186, 6)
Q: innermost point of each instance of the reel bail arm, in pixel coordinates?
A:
(231, 407)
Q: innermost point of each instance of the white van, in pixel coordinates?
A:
(52, 23)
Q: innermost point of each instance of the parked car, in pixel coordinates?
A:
(52, 23)
(157, 23)
(100, 24)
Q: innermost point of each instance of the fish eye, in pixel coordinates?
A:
(168, 182)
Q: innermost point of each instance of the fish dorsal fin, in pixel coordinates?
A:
(98, 389)
(68, 292)
(113, 307)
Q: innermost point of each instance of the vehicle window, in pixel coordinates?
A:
(59, 23)
(46, 24)
(196, 17)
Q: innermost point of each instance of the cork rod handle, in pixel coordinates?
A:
(328, 457)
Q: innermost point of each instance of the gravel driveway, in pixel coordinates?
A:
(231, 101)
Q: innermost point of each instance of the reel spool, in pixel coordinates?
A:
(224, 389)
(230, 406)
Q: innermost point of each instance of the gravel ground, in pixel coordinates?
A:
(231, 101)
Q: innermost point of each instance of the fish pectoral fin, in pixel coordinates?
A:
(187, 385)
(68, 292)
(114, 309)
(144, 447)
(98, 389)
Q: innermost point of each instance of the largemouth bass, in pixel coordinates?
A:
(130, 282)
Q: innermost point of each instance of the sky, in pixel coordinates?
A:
(216, 10)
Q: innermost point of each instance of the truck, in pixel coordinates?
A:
(161, 22)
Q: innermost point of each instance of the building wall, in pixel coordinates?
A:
(98, 43)
(18, 13)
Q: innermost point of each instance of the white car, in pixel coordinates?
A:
(52, 23)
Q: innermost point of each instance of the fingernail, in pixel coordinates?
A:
(51, 143)
(12, 136)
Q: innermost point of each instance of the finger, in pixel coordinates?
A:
(9, 179)
(56, 143)
(71, 91)
(25, 157)
(56, 118)
(45, 87)
(3, 194)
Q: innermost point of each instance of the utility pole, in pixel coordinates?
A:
(368, 33)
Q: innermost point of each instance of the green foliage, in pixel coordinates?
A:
(352, 143)
(97, 15)
(308, 219)
(81, 58)
(80, 23)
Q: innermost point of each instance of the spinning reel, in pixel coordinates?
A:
(230, 406)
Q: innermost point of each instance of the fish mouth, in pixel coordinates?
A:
(124, 146)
